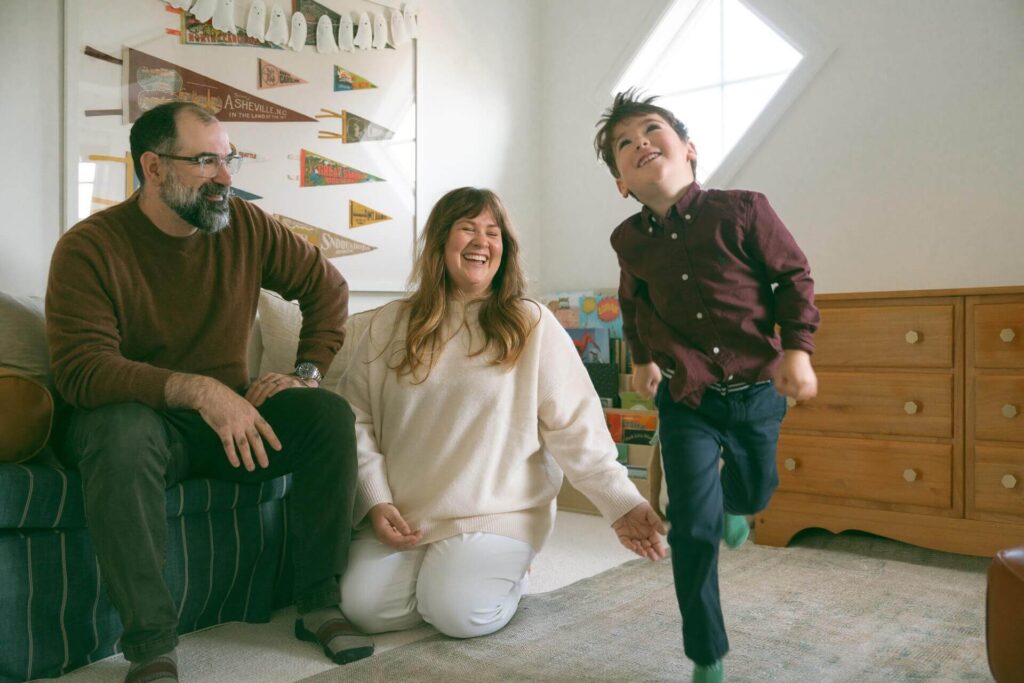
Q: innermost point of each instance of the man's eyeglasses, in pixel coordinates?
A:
(209, 164)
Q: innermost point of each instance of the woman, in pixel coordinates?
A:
(462, 393)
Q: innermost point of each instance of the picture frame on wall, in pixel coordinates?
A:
(328, 135)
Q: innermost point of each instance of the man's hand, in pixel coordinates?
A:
(236, 421)
(271, 383)
(638, 530)
(795, 377)
(646, 377)
(391, 528)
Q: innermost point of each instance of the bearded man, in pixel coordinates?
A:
(150, 306)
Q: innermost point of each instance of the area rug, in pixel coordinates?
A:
(853, 608)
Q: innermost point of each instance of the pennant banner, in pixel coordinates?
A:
(330, 244)
(318, 171)
(360, 215)
(272, 76)
(153, 81)
(354, 128)
(348, 80)
(248, 196)
(195, 32)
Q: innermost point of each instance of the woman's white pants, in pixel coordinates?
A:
(465, 586)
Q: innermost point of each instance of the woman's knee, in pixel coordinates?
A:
(378, 591)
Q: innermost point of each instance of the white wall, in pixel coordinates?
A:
(30, 165)
(477, 96)
(900, 166)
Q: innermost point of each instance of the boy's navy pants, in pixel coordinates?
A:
(741, 429)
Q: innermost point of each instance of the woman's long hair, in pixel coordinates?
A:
(504, 320)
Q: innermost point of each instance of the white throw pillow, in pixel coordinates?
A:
(280, 323)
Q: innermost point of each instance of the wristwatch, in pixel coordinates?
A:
(306, 371)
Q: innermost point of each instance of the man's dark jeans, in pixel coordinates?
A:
(128, 454)
(741, 429)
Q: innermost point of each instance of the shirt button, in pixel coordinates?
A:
(674, 235)
(730, 377)
(685, 276)
(714, 350)
(700, 316)
(687, 217)
(650, 229)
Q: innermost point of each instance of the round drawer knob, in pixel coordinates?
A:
(791, 402)
(1009, 481)
(911, 407)
(910, 474)
(1009, 410)
(790, 464)
(912, 337)
(1007, 335)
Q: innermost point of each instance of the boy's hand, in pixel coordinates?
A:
(638, 530)
(391, 528)
(646, 378)
(795, 377)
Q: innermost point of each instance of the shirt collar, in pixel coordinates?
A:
(687, 205)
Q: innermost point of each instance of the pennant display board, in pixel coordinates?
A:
(329, 139)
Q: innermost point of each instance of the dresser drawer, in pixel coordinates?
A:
(999, 480)
(881, 471)
(998, 404)
(906, 404)
(999, 335)
(885, 337)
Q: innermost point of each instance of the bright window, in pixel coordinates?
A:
(716, 65)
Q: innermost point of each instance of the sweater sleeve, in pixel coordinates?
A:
(573, 429)
(82, 331)
(296, 269)
(356, 387)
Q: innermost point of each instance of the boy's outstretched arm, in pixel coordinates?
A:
(640, 530)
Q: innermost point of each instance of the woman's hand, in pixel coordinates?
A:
(391, 529)
(638, 530)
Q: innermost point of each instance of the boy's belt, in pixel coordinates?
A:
(720, 387)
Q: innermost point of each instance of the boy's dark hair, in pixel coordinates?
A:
(157, 131)
(627, 105)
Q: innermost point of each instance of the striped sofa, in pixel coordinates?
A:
(227, 557)
(227, 560)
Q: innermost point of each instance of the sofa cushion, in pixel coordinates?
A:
(41, 497)
(280, 322)
(26, 416)
(23, 337)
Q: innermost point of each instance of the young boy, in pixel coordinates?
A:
(705, 277)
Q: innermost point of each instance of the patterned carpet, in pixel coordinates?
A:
(853, 608)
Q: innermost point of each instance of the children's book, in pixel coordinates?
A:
(631, 400)
(592, 344)
(601, 310)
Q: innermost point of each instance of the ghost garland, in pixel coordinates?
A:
(365, 32)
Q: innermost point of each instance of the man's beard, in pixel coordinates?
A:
(193, 205)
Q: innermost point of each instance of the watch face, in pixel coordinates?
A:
(307, 371)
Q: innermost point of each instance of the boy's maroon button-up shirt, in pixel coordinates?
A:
(702, 290)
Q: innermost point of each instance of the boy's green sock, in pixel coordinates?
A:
(711, 673)
(737, 530)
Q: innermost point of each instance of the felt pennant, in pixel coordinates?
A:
(318, 171)
(354, 128)
(360, 215)
(349, 80)
(332, 245)
(272, 76)
(153, 81)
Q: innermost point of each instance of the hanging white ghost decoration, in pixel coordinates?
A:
(256, 25)
(180, 4)
(412, 22)
(325, 35)
(364, 34)
(298, 39)
(346, 41)
(204, 9)
(380, 32)
(278, 31)
(224, 16)
(398, 34)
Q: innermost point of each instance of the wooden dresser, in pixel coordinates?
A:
(917, 432)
